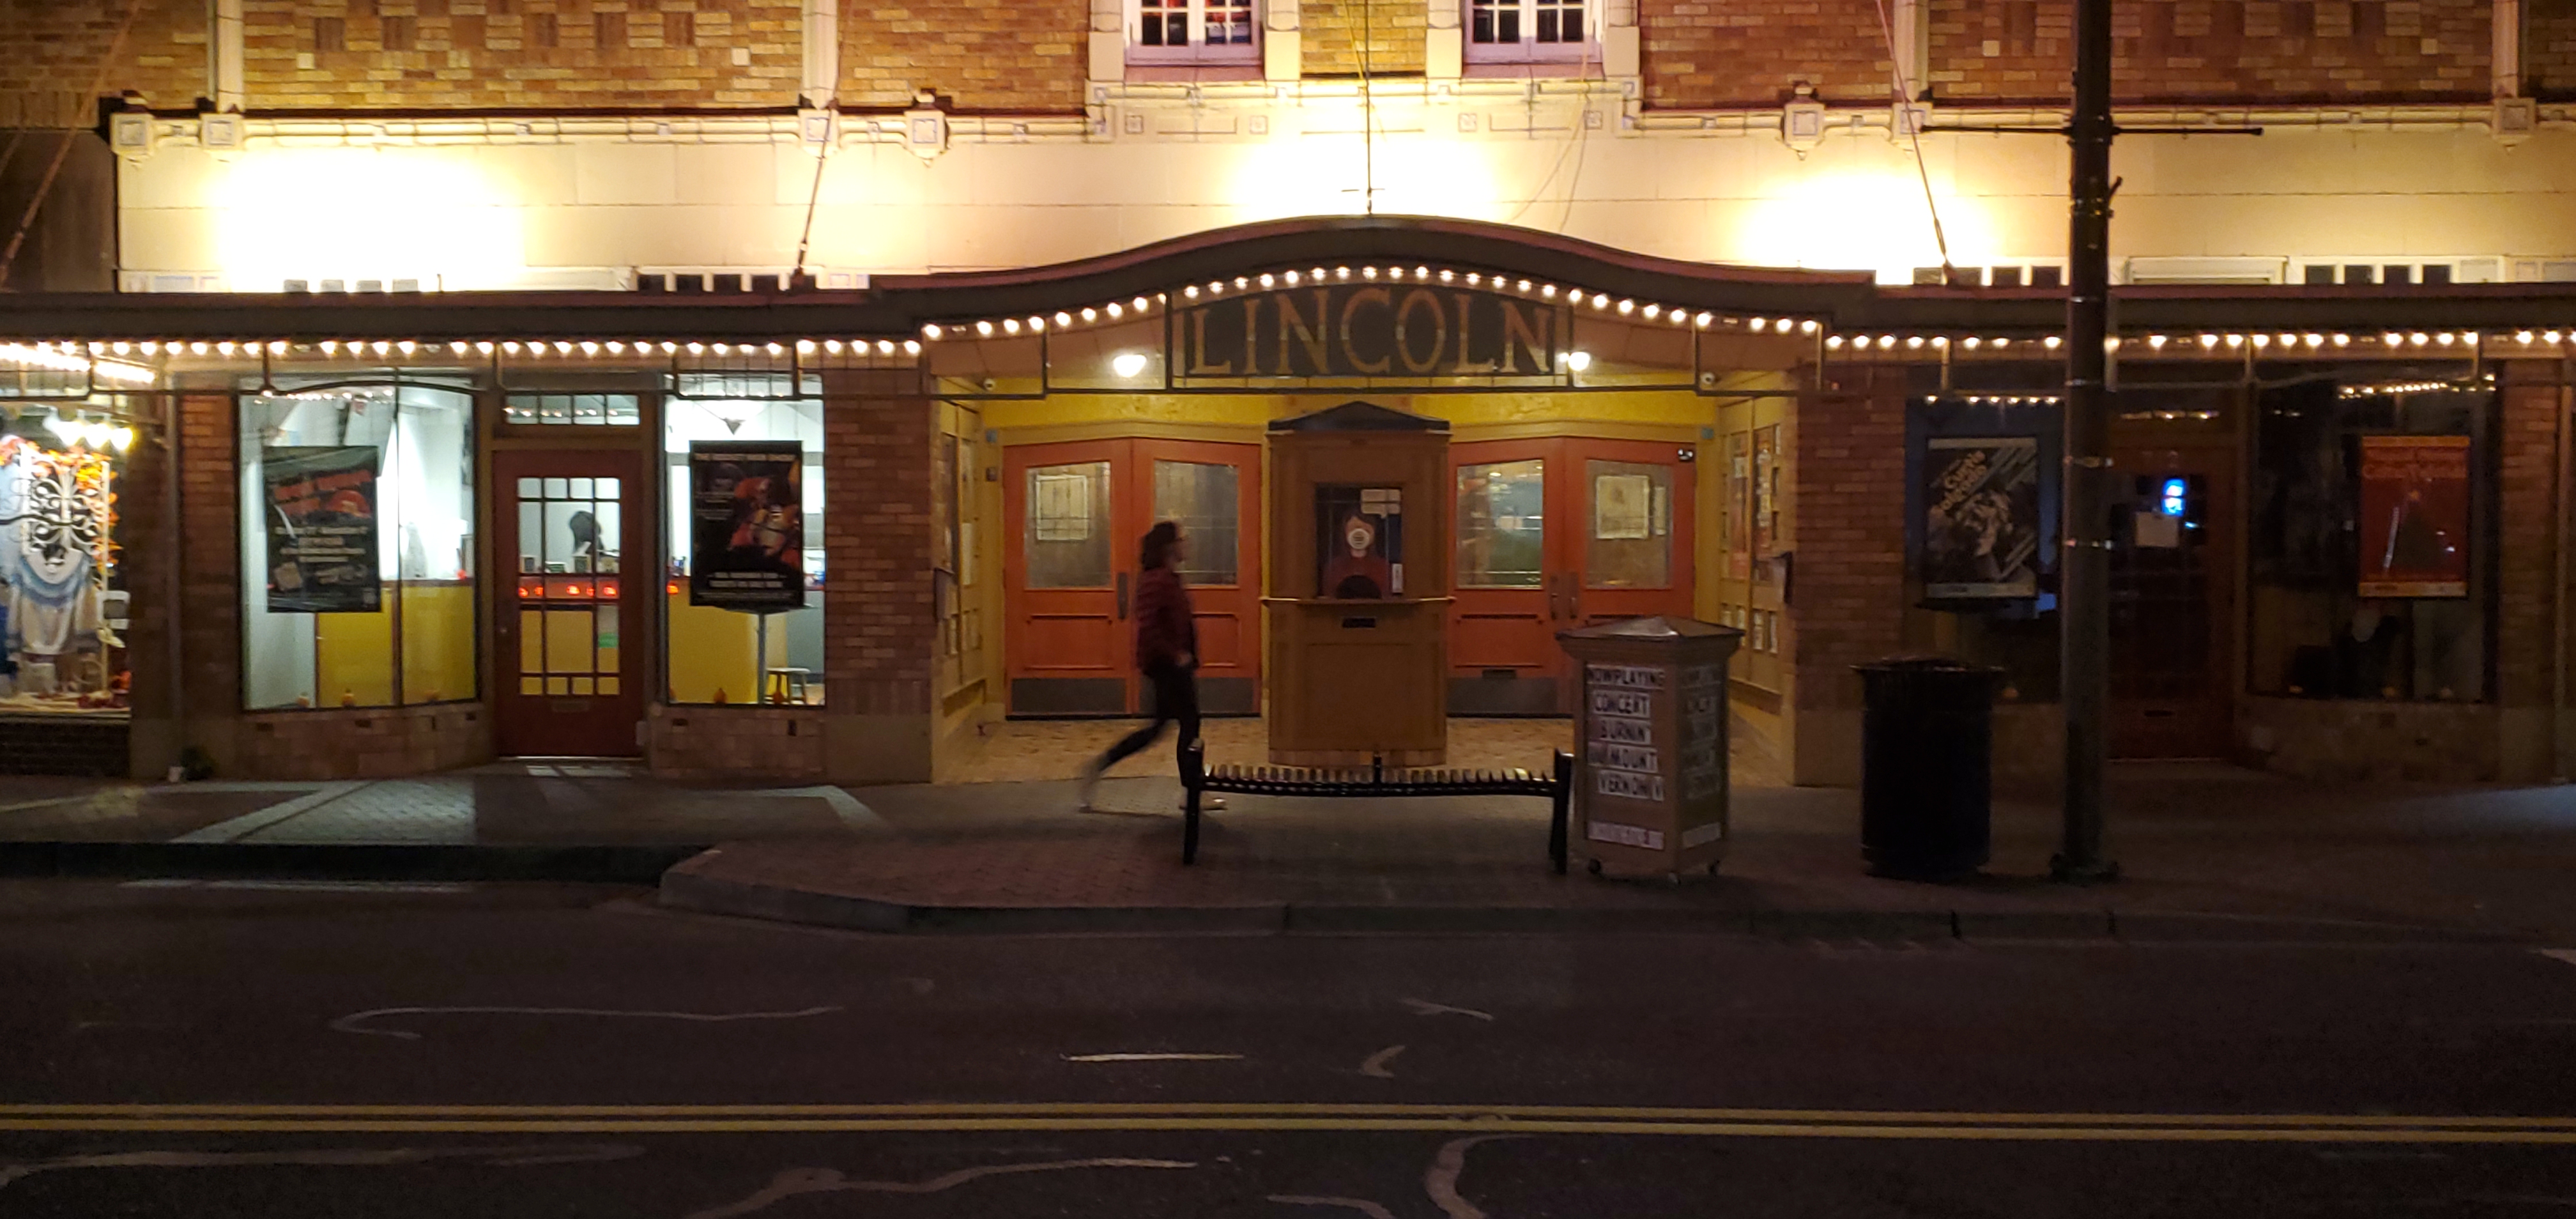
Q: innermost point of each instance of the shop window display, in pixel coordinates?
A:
(2371, 562)
(743, 618)
(358, 547)
(62, 597)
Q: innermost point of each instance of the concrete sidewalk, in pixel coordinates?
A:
(2207, 852)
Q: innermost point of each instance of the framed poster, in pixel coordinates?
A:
(2414, 519)
(1980, 518)
(321, 514)
(1359, 542)
(1766, 489)
(1735, 509)
(747, 525)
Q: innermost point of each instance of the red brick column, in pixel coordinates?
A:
(2526, 560)
(201, 548)
(880, 627)
(1846, 531)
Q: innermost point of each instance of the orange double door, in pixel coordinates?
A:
(1556, 533)
(1076, 512)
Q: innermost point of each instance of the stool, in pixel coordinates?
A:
(787, 686)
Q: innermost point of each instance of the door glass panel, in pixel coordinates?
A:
(1500, 525)
(532, 533)
(1631, 543)
(1201, 496)
(1068, 526)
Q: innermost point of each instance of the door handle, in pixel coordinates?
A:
(1122, 596)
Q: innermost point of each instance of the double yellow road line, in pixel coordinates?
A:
(1315, 1118)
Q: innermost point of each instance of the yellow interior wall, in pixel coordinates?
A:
(353, 659)
(438, 642)
(713, 649)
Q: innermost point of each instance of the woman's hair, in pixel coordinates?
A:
(1157, 550)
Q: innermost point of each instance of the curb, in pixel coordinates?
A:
(696, 892)
(634, 865)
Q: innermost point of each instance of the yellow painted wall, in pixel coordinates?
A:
(438, 642)
(353, 659)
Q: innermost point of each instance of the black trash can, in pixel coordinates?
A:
(1927, 766)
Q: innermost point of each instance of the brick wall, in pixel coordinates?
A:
(521, 54)
(2549, 47)
(880, 629)
(978, 54)
(781, 744)
(1330, 35)
(1707, 53)
(2232, 50)
(1847, 533)
(2526, 558)
(50, 76)
(372, 743)
(210, 574)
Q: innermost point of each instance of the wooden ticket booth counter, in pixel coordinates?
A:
(1359, 604)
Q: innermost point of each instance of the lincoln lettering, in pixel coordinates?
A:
(1367, 330)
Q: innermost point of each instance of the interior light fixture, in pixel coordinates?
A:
(1127, 363)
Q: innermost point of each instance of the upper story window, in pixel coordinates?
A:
(1525, 31)
(1192, 31)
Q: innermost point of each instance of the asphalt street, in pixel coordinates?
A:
(251, 1048)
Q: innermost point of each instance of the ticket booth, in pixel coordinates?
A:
(1359, 595)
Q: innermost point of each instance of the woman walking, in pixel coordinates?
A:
(1167, 645)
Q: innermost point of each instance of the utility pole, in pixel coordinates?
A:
(2084, 585)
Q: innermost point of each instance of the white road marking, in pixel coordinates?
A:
(2565, 955)
(344, 886)
(1441, 1179)
(1424, 1007)
(796, 1181)
(362, 1157)
(238, 828)
(351, 1022)
(1374, 1066)
(1153, 1057)
(1362, 1205)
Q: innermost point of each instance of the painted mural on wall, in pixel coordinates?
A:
(1981, 517)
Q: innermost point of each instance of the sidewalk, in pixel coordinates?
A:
(2207, 852)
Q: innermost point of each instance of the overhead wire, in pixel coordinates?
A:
(1914, 132)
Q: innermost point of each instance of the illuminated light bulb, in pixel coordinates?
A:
(2051, 342)
(1090, 314)
(2343, 340)
(1834, 341)
(563, 347)
(912, 347)
(1972, 342)
(1142, 305)
(1601, 300)
(832, 347)
(2236, 340)
(1127, 363)
(1809, 326)
(1653, 312)
(120, 347)
(457, 348)
(1037, 325)
(1268, 280)
(2262, 340)
(1063, 318)
(2524, 338)
(1757, 324)
(1627, 307)
(331, 347)
(1291, 277)
(2002, 342)
(1676, 316)
(225, 347)
(1191, 292)
(1422, 272)
(1215, 288)
(1549, 291)
(2156, 341)
(885, 347)
(805, 347)
(2469, 336)
(483, 346)
(508, 348)
(1368, 272)
(1940, 340)
(151, 349)
(669, 347)
(1316, 274)
(984, 328)
(1521, 286)
(1578, 360)
(1474, 280)
(2444, 338)
(1341, 272)
(197, 348)
(1914, 342)
(1242, 281)
(277, 347)
(1116, 311)
(931, 331)
(2550, 337)
(698, 349)
(1448, 276)
(1702, 320)
(1010, 325)
(2418, 339)
(1887, 342)
(589, 348)
(2289, 340)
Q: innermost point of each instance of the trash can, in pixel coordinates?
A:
(1927, 766)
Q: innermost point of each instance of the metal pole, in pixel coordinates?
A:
(2084, 620)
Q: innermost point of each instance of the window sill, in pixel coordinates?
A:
(1193, 73)
(1532, 69)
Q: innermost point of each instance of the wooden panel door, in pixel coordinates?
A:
(1076, 512)
(570, 521)
(2171, 593)
(1553, 534)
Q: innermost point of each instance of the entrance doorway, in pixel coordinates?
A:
(1076, 511)
(1552, 534)
(569, 687)
(2171, 592)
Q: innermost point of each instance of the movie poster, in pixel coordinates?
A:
(1980, 518)
(747, 525)
(321, 514)
(2414, 516)
(1766, 489)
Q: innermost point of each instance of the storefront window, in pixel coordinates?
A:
(743, 614)
(1501, 526)
(62, 590)
(357, 547)
(1202, 498)
(2371, 558)
(1068, 526)
(1632, 526)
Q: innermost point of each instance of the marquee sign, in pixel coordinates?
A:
(1372, 332)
